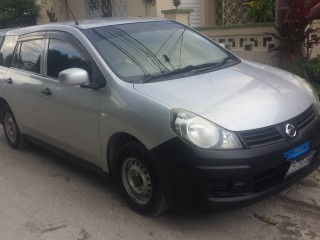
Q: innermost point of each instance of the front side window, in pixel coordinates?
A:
(62, 56)
(139, 52)
(28, 56)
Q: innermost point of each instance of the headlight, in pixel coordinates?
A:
(312, 92)
(201, 132)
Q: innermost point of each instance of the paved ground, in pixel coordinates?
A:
(45, 197)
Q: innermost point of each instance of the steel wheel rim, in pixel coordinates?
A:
(136, 180)
(10, 127)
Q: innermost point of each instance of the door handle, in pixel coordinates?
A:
(46, 91)
(8, 80)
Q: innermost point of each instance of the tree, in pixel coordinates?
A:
(295, 32)
(16, 13)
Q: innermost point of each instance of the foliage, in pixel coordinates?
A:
(294, 30)
(309, 69)
(260, 10)
(316, 86)
(312, 67)
(15, 13)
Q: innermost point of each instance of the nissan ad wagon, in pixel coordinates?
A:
(177, 119)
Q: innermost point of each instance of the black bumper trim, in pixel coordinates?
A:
(225, 179)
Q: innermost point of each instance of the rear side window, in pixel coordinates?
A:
(62, 56)
(29, 56)
(7, 50)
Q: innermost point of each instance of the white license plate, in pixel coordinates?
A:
(300, 163)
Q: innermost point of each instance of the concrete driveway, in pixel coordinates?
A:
(43, 196)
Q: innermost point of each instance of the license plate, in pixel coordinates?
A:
(300, 163)
(297, 152)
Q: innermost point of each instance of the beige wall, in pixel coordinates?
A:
(135, 8)
(163, 5)
(209, 12)
(59, 6)
(138, 9)
(78, 8)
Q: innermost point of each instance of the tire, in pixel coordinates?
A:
(139, 181)
(11, 131)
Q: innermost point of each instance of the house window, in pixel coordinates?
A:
(231, 12)
(107, 8)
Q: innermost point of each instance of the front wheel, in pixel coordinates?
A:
(139, 182)
(12, 132)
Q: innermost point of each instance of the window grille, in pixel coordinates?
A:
(107, 8)
(120, 8)
(231, 12)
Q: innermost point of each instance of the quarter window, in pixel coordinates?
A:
(62, 56)
(7, 49)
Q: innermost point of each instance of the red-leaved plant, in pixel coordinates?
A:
(295, 32)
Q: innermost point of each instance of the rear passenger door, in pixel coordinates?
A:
(22, 80)
(70, 113)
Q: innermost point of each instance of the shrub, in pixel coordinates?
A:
(312, 67)
(260, 11)
(15, 13)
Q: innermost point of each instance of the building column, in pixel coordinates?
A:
(210, 12)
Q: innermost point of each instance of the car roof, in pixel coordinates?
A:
(82, 24)
(4, 30)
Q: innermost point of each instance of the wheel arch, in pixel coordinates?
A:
(3, 105)
(116, 141)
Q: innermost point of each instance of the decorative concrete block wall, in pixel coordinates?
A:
(250, 41)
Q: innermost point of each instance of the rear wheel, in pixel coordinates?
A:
(139, 182)
(12, 132)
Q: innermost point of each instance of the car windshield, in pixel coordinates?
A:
(157, 51)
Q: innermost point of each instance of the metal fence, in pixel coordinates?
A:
(231, 12)
(107, 8)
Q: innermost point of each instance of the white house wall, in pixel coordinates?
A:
(196, 19)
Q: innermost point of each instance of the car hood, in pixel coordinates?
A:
(242, 97)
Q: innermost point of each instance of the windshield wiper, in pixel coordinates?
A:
(224, 61)
(189, 68)
(149, 78)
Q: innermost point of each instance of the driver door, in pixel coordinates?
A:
(70, 113)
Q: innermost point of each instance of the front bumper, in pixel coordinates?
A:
(227, 179)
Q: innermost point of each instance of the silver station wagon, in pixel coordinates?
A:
(2, 32)
(177, 119)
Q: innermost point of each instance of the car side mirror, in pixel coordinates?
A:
(74, 76)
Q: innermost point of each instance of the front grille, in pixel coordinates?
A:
(304, 120)
(276, 133)
(260, 137)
